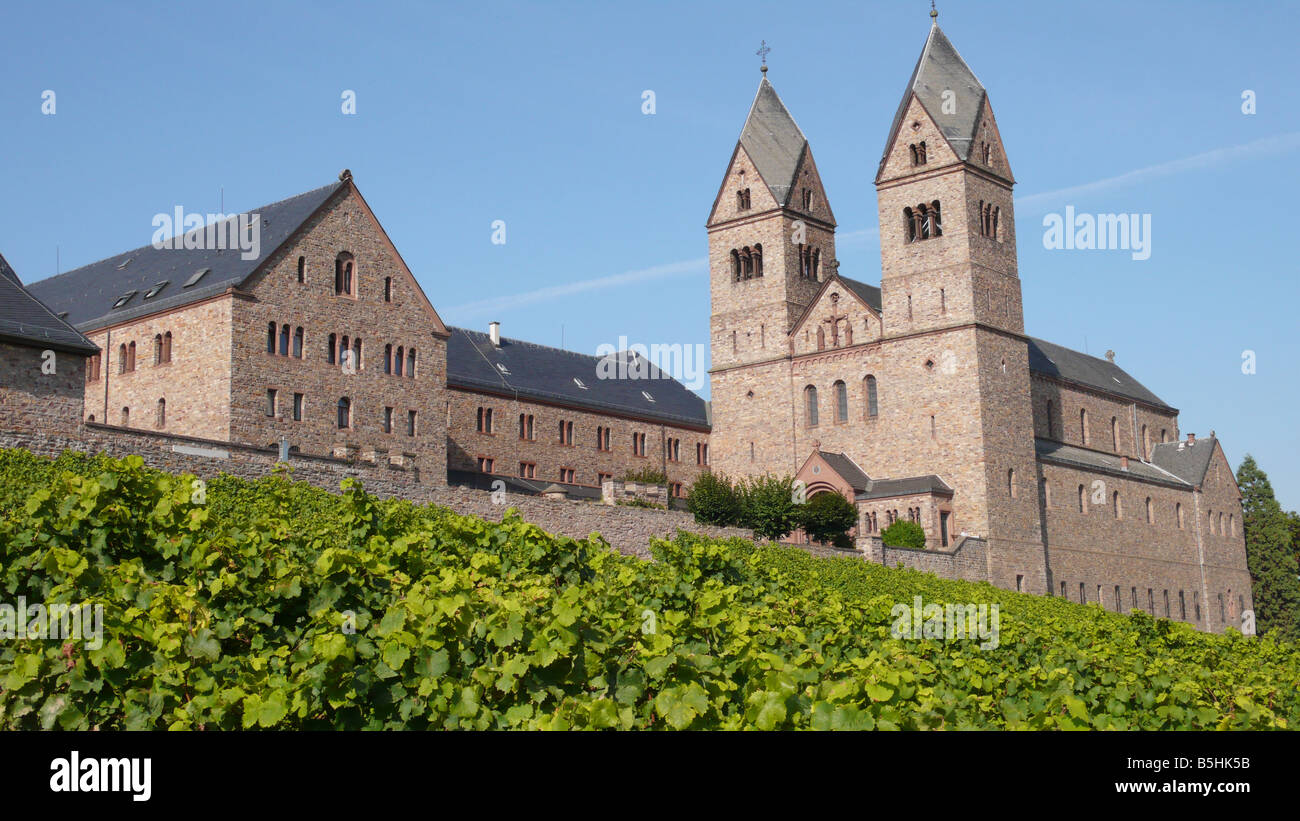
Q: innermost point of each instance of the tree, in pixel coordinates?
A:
(827, 517)
(768, 506)
(903, 533)
(649, 476)
(1270, 554)
(713, 500)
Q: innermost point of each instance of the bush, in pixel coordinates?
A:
(904, 533)
(649, 476)
(713, 500)
(827, 516)
(768, 507)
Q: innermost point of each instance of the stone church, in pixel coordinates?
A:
(924, 398)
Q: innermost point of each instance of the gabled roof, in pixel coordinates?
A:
(773, 142)
(940, 68)
(869, 294)
(889, 488)
(1188, 461)
(847, 469)
(1050, 359)
(89, 293)
(1049, 450)
(25, 320)
(553, 375)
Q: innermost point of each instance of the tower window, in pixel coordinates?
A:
(302, 269)
(344, 278)
(345, 413)
(388, 289)
(918, 153)
(872, 406)
(810, 397)
(742, 199)
(841, 401)
(807, 199)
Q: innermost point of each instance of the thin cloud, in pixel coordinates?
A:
(504, 303)
(1208, 159)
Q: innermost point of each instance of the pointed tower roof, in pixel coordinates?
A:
(941, 69)
(773, 141)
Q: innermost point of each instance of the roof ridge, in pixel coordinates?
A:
(149, 245)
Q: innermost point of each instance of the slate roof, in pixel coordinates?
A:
(1186, 460)
(887, 488)
(869, 294)
(89, 292)
(1055, 360)
(847, 469)
(1053, 451)
(24, 320)
(940, 68)
(773, 141)
(549, 374)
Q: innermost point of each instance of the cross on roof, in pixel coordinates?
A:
(762, 52)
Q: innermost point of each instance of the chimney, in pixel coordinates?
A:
(494, 332)
(1123, 463)
(1110, 357)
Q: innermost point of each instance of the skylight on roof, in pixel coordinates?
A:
(157, 289)
(578, 382)
(503, 369)
(647, 395)
(197, 276)
(123, 299)
(124, 263)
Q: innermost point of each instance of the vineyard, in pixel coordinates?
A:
(271, 604)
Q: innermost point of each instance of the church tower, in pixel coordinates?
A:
(771, 241)
(957, 395)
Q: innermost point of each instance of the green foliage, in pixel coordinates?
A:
(827, 517)
(713, 500)
(903, 533)
(647, 475)
(1270, 554)
(280, 606)
(641, 503)
(768, 507)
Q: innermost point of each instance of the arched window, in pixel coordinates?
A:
(1114, 434)
(920, 151)
(1146, 444)
(121, 358)
(936, 222)
(1178, 514)
(284, 340)
(344, 284)
(398, 360)
(126, 416)
(345, 413)
(167, 347)
(1222, 532)
(329, 349)
(410, 363)
(130, 356)
(356, 353)
(747, 262)
(1151, 512)
(872, 407)
(909, 225)
(915, 155)
(816, 264)
(297, 342)
(344, 346)
(388, 289)
(758, 259)
(1083, 500)
(1050, 423)
(821, 338)
(810, 398)
(735, 265)
(302, 269)
(388, 359)
(270, 337)
(1232, 525)
(1116, 505)
(993, 230)
(160, 418)
(1011, 482)
(157, 349)
(1083, 425)
(841, 401)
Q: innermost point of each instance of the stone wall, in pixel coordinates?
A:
(968, 560)
(31, 399)
(627, 529)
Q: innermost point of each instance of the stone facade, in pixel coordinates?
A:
(544, 456)
(40, 389)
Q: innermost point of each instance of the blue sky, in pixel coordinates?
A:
(531, 114)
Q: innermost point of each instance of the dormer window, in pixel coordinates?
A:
(199, 274)
(123, 299)
(155, 290)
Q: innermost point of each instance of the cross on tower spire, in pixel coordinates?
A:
(762, 52)
(934, 13)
